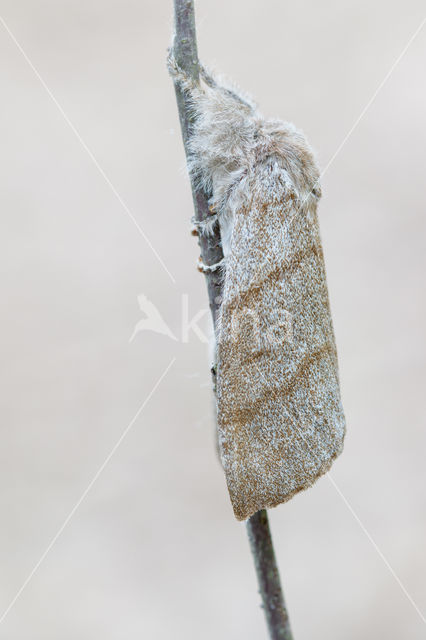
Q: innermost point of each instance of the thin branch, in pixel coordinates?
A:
(185, 53)
(268, 577)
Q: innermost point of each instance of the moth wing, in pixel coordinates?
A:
(280, 418)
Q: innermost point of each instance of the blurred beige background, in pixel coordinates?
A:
(153, 550)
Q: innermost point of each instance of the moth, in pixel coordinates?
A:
(280, 417)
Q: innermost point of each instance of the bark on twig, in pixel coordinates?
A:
(268, 577)
(185, 53)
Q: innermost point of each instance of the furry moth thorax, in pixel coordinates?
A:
(280, 418)
(231, 140)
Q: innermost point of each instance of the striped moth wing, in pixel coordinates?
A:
(280, 418)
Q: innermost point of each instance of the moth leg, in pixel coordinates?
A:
(180, 77)
(203, 227)
(208, 268)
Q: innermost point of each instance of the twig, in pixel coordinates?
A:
(185, 53)
(268, 577)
